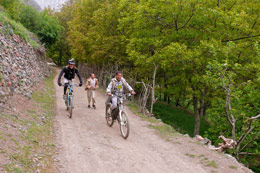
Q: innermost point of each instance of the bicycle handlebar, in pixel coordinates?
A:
(76, 85)
(129, 94)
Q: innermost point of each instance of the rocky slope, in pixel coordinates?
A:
(34, 4)
(21, 66)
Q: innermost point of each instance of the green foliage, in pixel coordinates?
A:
(48, 29)
(45, 26)
(200, 48)
(60, 51)
(12, 8)
(179, 119)
(30, 18)
(12, 27)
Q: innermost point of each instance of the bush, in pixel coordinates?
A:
(30, 18)
(48, 29)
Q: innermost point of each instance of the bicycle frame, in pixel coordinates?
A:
(120, 105)
(70, 95)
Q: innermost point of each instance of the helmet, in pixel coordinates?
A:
(72, 61)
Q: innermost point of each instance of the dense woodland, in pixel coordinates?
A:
(202, 56)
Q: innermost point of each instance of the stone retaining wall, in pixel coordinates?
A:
(21, 67)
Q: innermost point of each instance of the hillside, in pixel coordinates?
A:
(34, 4)
(22, 60)
(25, 123)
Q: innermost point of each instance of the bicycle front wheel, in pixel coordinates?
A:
(70, 107)
(124, 125)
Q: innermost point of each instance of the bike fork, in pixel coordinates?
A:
(120, 116)
(70, 101)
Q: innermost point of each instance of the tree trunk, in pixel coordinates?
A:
(147, 93)
(165, 86)
(168, 99)
(197, 116)
(160, 94)
(153, 88)
(177, 101)
(202, 106)
(144, 98)
(183, 97)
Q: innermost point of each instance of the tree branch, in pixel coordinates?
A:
(249, 129)
(192, 13)
(241, 38)
(256, 136)
(251, 154)
(253, 118)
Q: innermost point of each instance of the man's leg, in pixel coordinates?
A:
(114, 102)
(93, 98)
(66, 85)
(89, 97)
(65, 91)
(114, 107)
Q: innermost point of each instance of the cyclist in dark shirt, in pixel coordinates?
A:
(69, 72)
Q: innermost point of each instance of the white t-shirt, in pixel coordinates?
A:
(92, 83)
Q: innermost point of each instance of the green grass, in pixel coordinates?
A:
(179, 119)
(212, 164)
(232, 167)
(190, 155)
(166, 131)
(16, 28)
(39, 135)
(205, 161)
(34, 44)
(135, 109)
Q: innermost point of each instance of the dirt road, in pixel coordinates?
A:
(89, 145)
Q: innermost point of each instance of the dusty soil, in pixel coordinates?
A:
(15, 121)
(87, 144)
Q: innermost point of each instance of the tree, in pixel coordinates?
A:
(48, 29)
(178, 49)
(30, 18)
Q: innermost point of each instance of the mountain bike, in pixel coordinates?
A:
(120, 115)
(69, 101)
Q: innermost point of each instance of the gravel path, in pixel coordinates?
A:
(89, 145)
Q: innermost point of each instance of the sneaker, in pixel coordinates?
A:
(64, 96)
(94, 106)
(88, 106)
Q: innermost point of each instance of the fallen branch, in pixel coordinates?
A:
(226, 143)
